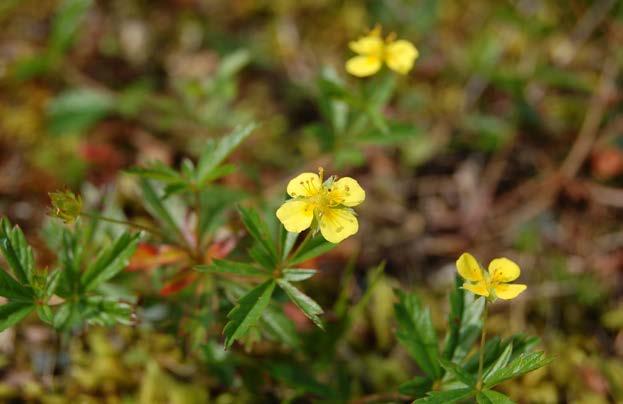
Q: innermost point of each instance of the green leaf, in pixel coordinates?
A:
(215, 201)
(158, 171)
(298, 274)
(247, 312)
(105, 311)
(493, 348)
(445, 397)
(259, 231)
(521, 365)
(215, 154)
(465, 320)
(75, 111)
(231, 267)
(417, 334)
(311, 249)
(309, 307)
(493, 397)
(12, 290)
(12, 313)
(458, 372)
(417, 387)
(501, 362)
(295, 376)
(110, 261)
(287, 241)
(66, 22)
(281, 327)
(70, 257)
(45, 313)
(16, 251)
(156, 207)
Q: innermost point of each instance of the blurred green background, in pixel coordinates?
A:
(505, 139)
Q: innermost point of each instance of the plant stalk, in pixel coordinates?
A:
(482, 345)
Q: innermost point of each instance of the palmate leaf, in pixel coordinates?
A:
(417, 334)
(309, 307)
(247, 312)
(446, 397)
(109, 262)
(521, 365)
(217, 152)
(492, 397)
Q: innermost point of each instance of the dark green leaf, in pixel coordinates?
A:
(458, 372)
(281, 327)
(12, 290)
(417, 334)
(298, 274)
(16, 251)
(417, 387)
(446, 397)
(247, 312)
(231, 267)
(104, 311)
(521, 365)
(287, 241)
(45, 313)
(215, 154)
(501, 362)
(493, 397)
(158, 171)
(294, 375)
(465, 322)
(259, 231)
(493, 348)
(12, 313)
(310, 249)
(75, 111)
(303, 302)
(70, 257)
(109, 262)
(66, 22)
(156, 207)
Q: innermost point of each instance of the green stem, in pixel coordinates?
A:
(151, 230)
(308, 237)
(482, 345)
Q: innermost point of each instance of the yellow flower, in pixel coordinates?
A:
(494, 282)
(327, 205)
(372, 51)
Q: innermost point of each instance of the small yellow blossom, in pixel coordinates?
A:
(494, 282)
(372, 50)
(326, 204)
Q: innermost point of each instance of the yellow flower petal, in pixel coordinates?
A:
(362, 66)
(508, 291)
(347, 191)
(469, 268)
(503, 270)
(296, 216)
(304, 185)
(479, 288)
(337, 224)
(368, 45)
(400, 56)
